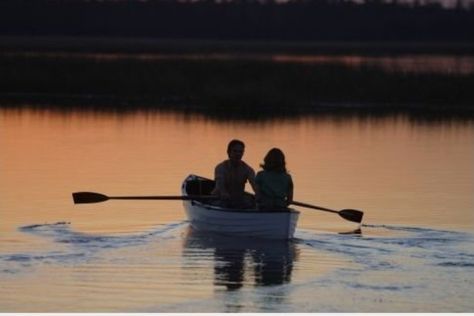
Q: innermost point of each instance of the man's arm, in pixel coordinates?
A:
(219, 178)
(251, 179)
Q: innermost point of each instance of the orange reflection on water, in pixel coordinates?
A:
(396, 170)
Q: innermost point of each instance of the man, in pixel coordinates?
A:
(231, 176)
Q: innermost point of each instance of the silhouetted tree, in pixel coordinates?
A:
(372, 20)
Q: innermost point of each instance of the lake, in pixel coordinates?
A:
(412, 177)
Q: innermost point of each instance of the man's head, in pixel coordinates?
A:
(235, 150)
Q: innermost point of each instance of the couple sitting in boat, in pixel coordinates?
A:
(273, 185)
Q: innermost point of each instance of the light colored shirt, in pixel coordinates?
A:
(231, 180)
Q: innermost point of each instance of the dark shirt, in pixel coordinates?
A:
(273, 189)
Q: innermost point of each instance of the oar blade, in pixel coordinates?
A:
(88, 197)
(352, 215)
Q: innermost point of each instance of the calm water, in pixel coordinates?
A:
(413, 179)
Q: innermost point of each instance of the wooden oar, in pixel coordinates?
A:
(349, 214)
(93, 197)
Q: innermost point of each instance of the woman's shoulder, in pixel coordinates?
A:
(261, 173)
(273, 174)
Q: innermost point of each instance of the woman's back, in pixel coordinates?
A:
(274, 184)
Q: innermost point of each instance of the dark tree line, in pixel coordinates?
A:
(318, 20)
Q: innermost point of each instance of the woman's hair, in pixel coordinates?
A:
(274, 161)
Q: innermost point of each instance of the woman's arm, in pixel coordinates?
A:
(289, 194)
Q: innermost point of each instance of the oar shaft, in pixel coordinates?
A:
(348, 214)
(163, 197)
(314, 207)
(94, 197)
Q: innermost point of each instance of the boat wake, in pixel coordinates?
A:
(408, 267)
(61, 232)
(435, 247)
(78, 247)
(403, 269)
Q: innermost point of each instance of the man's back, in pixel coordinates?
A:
(232, 179)
(231, 176)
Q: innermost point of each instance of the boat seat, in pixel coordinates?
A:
(200, 187)
(203, 186)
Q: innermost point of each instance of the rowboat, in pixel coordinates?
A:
(203, 215)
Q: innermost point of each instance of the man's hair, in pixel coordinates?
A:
(234, 142)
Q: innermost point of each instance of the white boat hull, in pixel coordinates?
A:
(244, 223)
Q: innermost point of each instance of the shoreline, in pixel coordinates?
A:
(115, 104)
(150, 45)
(261, 87)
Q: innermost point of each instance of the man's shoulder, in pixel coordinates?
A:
(246, 166)
(221, 165)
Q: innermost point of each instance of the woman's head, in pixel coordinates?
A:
(274, 161)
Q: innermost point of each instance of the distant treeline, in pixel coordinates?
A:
(301, 20)
(226, 86)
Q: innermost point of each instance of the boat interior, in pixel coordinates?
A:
(203, 186)
(200, 186)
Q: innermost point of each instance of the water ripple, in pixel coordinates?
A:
(80, 247)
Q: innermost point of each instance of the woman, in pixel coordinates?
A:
(274, 186)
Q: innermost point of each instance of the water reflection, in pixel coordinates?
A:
(334, 112)
(240, 261)
(398, 169)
